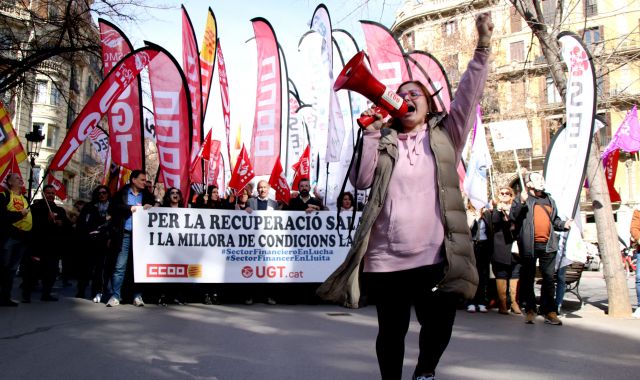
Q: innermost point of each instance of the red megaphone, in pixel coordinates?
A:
(355, 76)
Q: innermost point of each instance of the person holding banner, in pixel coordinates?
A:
(536, 217)
(124, 203)
(413, 234)
(15, 234)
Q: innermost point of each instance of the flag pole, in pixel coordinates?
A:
(515, 155)
(493, 196)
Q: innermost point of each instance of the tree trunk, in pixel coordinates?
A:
(617, 290)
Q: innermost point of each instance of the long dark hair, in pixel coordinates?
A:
(433, 109)
(166, 200)
(94, 195)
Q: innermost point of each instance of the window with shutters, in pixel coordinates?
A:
(590, 8)
(517, 51)
(516, 21)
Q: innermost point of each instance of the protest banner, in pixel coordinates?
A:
(225, 246)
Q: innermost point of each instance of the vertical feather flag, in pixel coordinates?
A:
(475, 182)
(125, 116)
(243, 172)
(208, 58)
(191, 65)
(278, 182)
(224, 95)
(265, 140)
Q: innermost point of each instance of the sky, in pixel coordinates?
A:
(290, 20)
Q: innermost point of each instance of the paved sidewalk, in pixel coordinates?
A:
(76, 339)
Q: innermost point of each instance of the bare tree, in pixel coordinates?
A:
(546, 32)
(32, 32)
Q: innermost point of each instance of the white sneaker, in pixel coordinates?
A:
(482, 309)
(471, 308)
(113, 302)
(97, 298)
(138, 301)
(636, 314)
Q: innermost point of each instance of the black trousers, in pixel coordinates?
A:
(394, 293)
(527, 281)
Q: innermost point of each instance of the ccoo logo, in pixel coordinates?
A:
(247, 272)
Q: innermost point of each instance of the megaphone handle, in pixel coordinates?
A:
(365, 121)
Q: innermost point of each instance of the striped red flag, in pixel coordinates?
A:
(10, 146)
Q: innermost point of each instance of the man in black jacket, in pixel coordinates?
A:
(51, 229)
(536, 219)
(122, 206)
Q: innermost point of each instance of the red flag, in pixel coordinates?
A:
(610, 164)
(243, 172)
(10, 146)
(279, 183)
(388, 64)
(191, 65)
(172, 111)
(125, 115)
(61, 191)
(10, 168)
(102, 100)
(224, 95)
(265, 140)
(302, 167)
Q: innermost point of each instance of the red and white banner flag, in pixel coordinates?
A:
(321, 23)
(224, 95)
(243, 172)
(278, 182)
(125, 115)
(122, 75)
(9, 168)
(302, 168)
(220, 175)
(265, 140)
(428, 70)
(58, 186)
(208, 58)
(172, 111)
(610, 165)
(191, 65)
(385, 54)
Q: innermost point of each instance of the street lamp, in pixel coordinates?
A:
(34, 138)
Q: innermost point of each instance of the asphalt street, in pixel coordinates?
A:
(77, 339)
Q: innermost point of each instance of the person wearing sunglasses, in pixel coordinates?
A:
(504, 262)
(172, 198)
(417, 249)
(93, 228)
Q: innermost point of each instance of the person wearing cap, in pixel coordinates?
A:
(536, 217)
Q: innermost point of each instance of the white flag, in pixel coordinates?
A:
(475, 181)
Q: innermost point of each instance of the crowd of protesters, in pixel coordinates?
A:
(35, 241)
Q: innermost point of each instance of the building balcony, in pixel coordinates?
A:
(9, 9)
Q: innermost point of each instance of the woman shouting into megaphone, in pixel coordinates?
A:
(413, 238)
